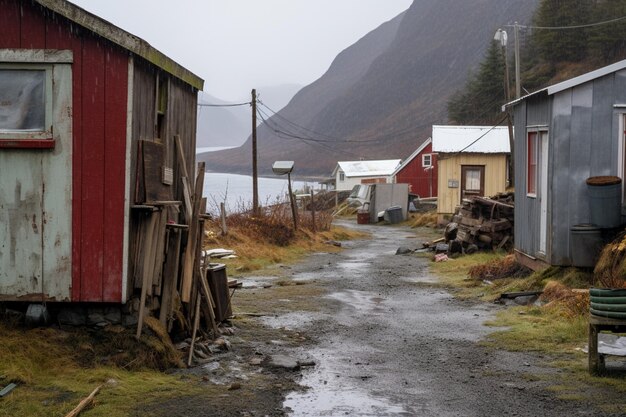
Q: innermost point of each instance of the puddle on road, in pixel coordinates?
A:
(256, 282)
(421, 279)
(333, 390)
(362, 301)
(291, 321)
(353, 266)
(330, 401)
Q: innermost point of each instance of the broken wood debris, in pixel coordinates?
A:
(168, 267)
(84, 403)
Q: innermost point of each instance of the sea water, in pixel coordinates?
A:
(236, 190)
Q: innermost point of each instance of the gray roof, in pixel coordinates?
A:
(122, 38)
(572, 82)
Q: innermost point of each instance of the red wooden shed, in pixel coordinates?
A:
(88, 117)
(419, 171)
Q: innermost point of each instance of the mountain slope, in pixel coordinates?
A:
(380, 96)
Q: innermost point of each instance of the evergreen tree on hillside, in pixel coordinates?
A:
(552, 55)
(562, 45)
(480, 101)
(608, 42)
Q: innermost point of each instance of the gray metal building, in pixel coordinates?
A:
(565, 134)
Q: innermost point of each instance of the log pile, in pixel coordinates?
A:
(482, 223)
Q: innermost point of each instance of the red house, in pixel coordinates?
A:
(88, 118)
(419, 171)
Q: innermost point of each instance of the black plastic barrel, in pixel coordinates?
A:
(585, 244)
(394, 214)
(605, 201)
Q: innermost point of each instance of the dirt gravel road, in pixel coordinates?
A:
(387, 340)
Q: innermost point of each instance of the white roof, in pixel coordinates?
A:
(471, 139)
(369, 168)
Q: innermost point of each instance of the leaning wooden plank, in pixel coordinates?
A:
(170, 274)
(151, 248)
(190, 249)
(84, 403)
(196, 323)
(184, 178)
(146, 284)
(206, 291)
(160, 248)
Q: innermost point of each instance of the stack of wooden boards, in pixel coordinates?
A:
(166, 245)
(484, 222)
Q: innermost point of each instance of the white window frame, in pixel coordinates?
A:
(46, 133)
(536, 155)
(621, 152)
(46, 59)
(429, 157)
(342, 176)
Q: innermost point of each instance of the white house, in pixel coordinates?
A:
(347, 174)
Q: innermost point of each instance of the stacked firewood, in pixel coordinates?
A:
(482, 223)
(169, 270)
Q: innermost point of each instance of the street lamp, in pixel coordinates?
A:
(502, 38)
(282, 168)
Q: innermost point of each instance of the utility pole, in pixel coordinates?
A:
(255, 175)
(502, 38)
(518, 82)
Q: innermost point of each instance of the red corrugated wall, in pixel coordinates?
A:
(420, 180)
(100, 88)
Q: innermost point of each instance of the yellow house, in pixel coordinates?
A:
(472, 160)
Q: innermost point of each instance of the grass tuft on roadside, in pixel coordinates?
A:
(55, 369)
(558, 327)
(268, 239)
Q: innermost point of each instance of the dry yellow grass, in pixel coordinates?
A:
(610, 271)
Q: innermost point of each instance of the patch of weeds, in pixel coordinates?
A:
(538, 329)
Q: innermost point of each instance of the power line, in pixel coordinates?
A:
(308, 141)
(606, 22)
(224, 105)
(375, 137)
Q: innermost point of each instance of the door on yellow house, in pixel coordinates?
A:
(472, 181)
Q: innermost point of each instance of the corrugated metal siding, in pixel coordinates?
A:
(450, 169)
(584, 141)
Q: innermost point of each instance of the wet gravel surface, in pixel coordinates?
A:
(388, 341)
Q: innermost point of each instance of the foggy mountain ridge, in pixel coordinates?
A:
(392, 85)
(231, 126)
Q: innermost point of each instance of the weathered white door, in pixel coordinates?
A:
(35, 175)
(21, 245)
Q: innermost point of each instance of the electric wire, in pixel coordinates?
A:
(375, 137)
(224, 105)
(308, 141)
(606, 22)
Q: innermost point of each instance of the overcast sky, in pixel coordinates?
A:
(237, 45)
